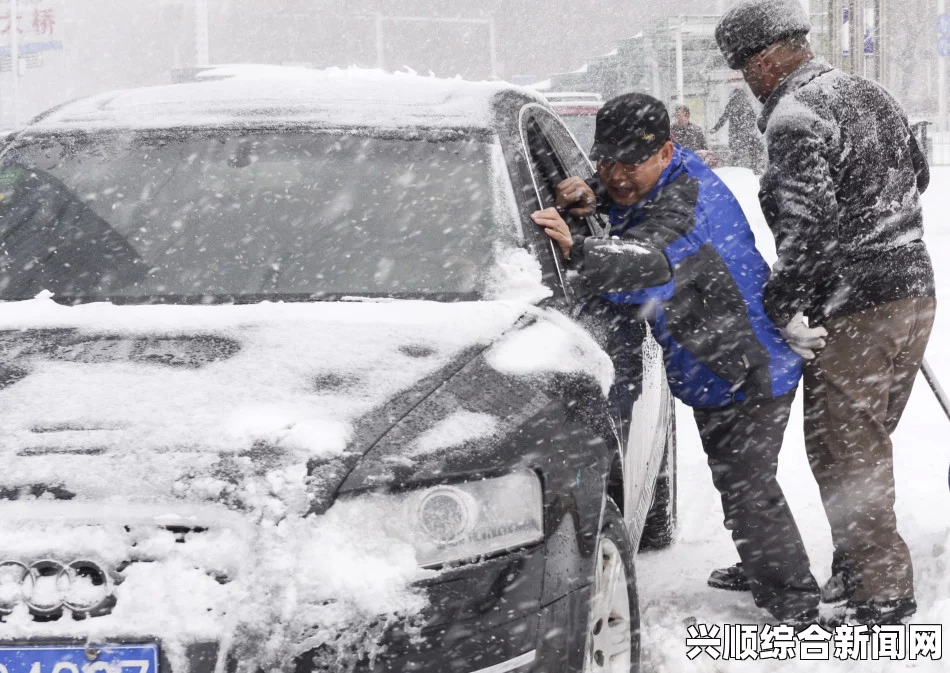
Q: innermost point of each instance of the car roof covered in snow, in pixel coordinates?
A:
(253, 95)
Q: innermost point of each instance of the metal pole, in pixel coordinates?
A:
(941, 70)
(935, 386)
(15, 60)
(380, 45)
(882, 35)
(872, 65)
(857, 37)
(834, 32)
(493, 46)
(679, 62)
(202, 57)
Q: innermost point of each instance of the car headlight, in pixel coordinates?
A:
(471, 519)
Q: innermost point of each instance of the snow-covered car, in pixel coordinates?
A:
(289, 381)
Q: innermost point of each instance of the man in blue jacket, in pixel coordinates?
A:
(724, 356)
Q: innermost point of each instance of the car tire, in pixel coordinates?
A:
(614, 607)
(660, 526)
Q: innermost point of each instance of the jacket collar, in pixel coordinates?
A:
(806, 72)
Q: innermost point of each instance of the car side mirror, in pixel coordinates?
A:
(618, 265)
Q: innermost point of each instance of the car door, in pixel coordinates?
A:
(643, 415)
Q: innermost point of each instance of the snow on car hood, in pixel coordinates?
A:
(171, 444)
(264, 593)
(154, 403)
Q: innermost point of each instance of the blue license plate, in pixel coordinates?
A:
(56, 659)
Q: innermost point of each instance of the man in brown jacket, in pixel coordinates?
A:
(841, 194)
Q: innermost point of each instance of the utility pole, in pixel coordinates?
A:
(680, 84)
(882, 40)
(15, 60)
(941, 69)
(380, 45)
(856, 28)
(202, 56)
(493, 46)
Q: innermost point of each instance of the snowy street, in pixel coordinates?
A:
(673, 582)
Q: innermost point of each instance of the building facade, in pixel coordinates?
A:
(73, 48)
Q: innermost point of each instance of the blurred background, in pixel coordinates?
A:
(64, 49)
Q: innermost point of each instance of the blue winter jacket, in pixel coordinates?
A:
(718, 343)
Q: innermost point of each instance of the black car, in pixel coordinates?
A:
(290, 381)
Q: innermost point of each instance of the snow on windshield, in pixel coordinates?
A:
(256, 214)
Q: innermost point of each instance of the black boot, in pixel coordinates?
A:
(732, 578)
(883, 612)
(803, 620)
(839, 587)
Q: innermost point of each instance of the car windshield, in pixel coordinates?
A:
(243, 216)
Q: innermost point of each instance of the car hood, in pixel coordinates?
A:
(257, 406)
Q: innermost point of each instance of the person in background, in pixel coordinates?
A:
(745, 142)
(685, 133)
(841, 194)
(723, 356)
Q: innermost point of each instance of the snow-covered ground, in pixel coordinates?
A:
(672, 583)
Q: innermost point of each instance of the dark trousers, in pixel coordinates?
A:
(855, 392)
(742, 443)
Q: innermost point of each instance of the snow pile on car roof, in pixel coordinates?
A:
(248, 95)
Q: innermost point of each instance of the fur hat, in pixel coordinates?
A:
(749, 26)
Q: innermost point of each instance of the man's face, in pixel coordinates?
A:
(681, 117)
(629, 183)
(758, 74)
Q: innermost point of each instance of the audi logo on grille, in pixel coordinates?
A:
(48, 586)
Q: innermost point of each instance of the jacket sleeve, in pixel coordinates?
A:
(799, 203)
(670, 219)
(600, 193)
(921, 168)
(728, 112)
(722, 122)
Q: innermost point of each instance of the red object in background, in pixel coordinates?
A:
(709, 158)
(6, 23)
(44, 21)
(575, 109)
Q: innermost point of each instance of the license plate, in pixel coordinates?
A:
(55, 659)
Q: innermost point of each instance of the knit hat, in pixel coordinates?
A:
(749, 26)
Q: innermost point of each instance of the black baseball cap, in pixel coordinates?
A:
(631, 128)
